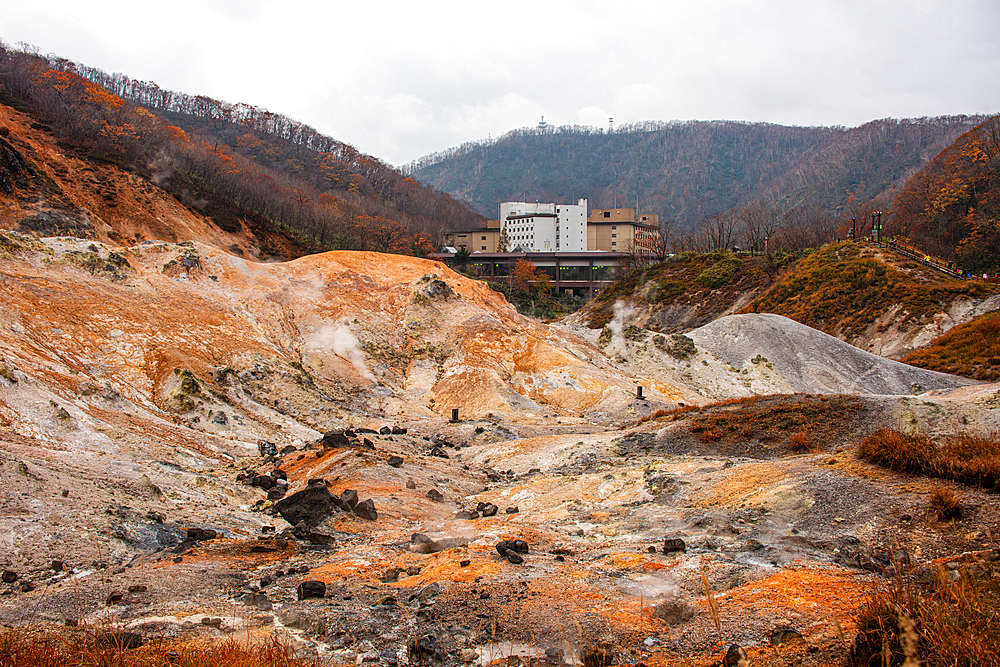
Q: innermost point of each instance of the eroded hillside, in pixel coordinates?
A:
(867, 296)
(50, 190)
(194, 446)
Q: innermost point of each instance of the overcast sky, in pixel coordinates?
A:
(399, 80)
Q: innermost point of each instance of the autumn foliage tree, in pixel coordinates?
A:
(233, 162)
(951, 207)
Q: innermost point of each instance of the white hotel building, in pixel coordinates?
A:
(545, 227)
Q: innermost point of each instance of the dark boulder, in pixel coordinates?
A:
(349, 498)
(424, 649)
(672, 545)
(201, 534)
(311, 589)
(262, 481)
(267, 448)
(336, 439)
(735, 657)
(311, 505)
(366, 510)
(395, 461)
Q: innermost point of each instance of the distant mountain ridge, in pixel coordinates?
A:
(690, 170)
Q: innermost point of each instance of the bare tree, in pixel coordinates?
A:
(717, 231)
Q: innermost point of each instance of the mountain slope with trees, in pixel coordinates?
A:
(690, 171)
(952, 206)
(237, 164)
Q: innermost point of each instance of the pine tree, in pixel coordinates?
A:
(503, 242)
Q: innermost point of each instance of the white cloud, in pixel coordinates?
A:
(402, 79)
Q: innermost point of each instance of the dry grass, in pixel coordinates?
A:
(20, 648)
(971, 350)
(967, 458)
(945, 503)
(843, 288)
(950, 623)
(799, 441)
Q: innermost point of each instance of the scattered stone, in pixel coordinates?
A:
(673, 545)
(201, 534)
(311, 589)
(395, 461)
(736, 657)
(512, 510)
(651, 550)
(311, 505)
(114, 599)
(438, 452)
(752, 545)
(212, 622)
(57, 566)
(366, 510)
(178, 559)
(302, 619)
(673, 612)
(27, 587)
(288, 449)
(320, 538)
(349, 498)
(335, 439)
(390, 575)
(410, 484)
(262, 481)
(435, 495)
(412, 570)
(398, 430)
(137, 588)
(784, 634)
(385, 430)
(259, 600)
(490, 509)
(513, 557)
(65, 493)
(464, 563)
(429, 591)
(466, 514)
(9, 576)
(424, 648)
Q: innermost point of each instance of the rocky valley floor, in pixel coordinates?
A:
(189, 443)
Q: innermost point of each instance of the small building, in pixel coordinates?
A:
(481, 239)
(620, 229)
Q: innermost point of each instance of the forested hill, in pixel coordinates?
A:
(688, 171)
(238, 164)
(952, 206)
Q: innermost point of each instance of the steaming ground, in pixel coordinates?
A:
(133, 395)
